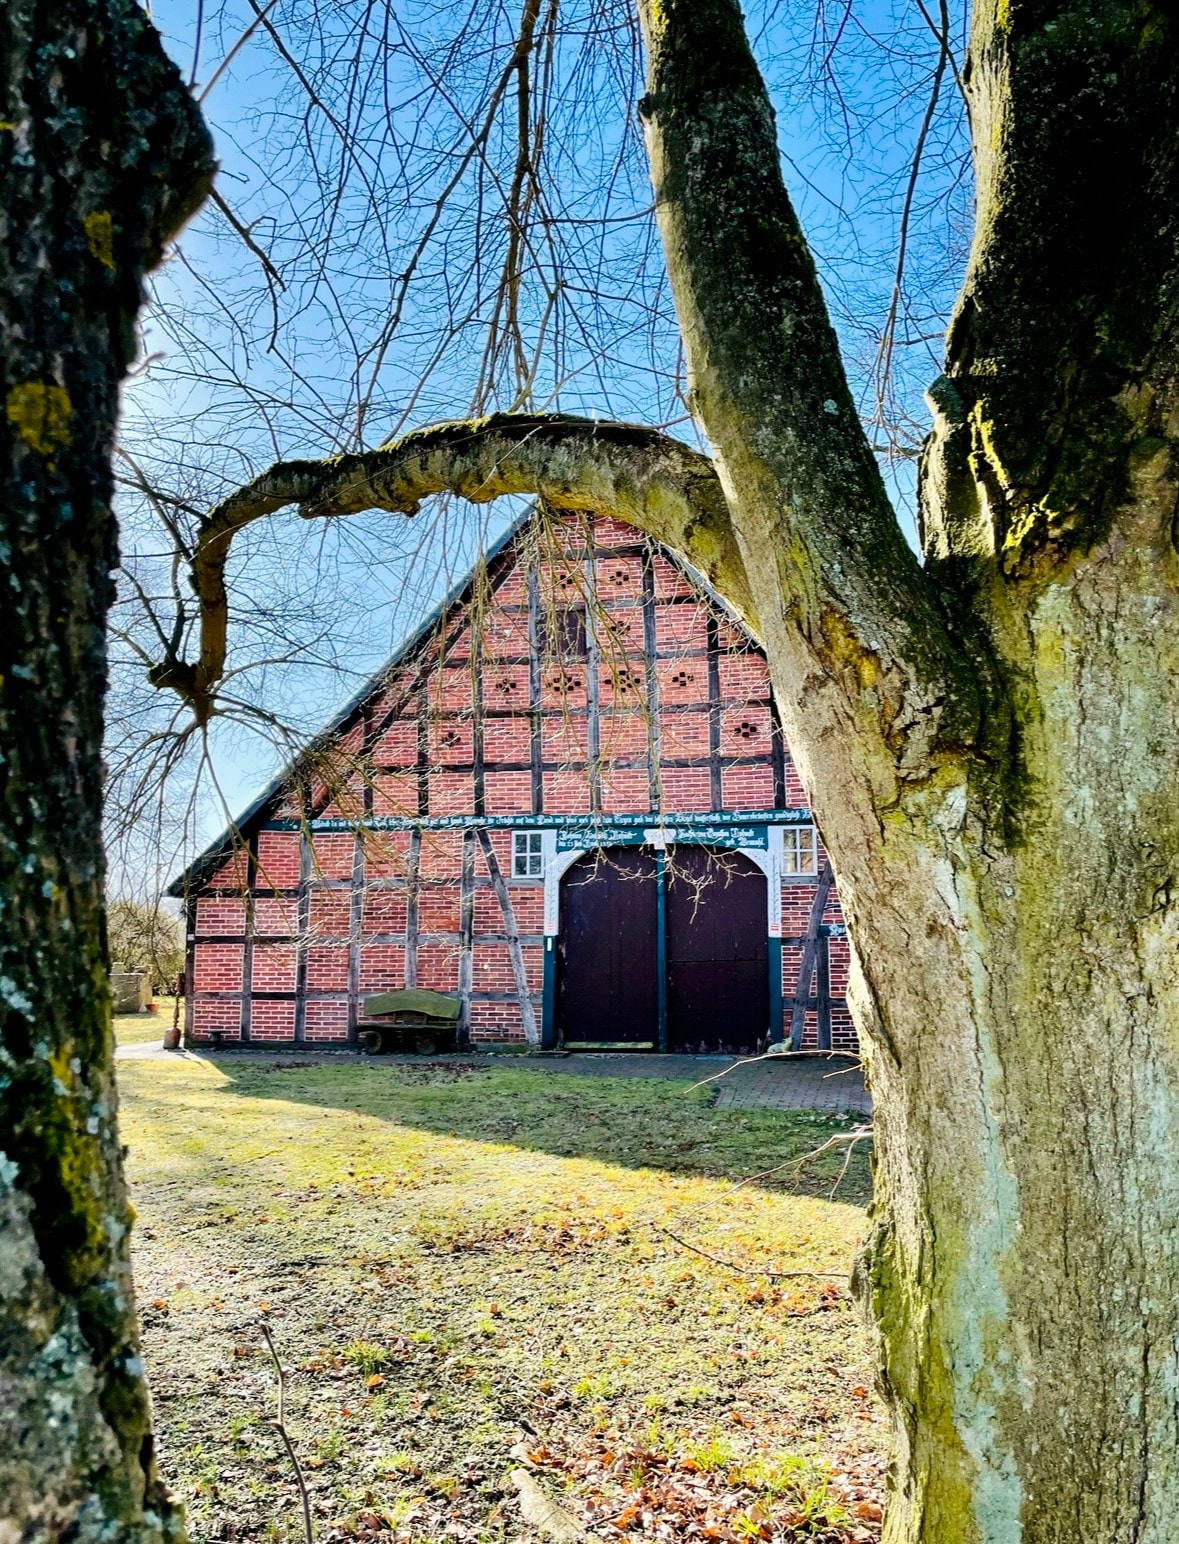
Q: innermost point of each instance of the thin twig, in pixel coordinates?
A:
(280, 1427)
(746, 1270)
(847, 1158)
(233, 52)
(859, 1133)
(777, 1056)
(247, 240)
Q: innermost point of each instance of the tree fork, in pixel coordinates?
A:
(855, 627)
(1012, 912)
(102, 156)
(990, 743)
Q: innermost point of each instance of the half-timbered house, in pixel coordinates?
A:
(567, 800)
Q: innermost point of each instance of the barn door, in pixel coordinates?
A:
(718, 984)
(607, 959)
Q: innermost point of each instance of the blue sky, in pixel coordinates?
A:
(240, 372)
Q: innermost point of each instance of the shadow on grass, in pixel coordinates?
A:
(635, 1123)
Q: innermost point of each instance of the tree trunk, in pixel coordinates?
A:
(102, 155)
(1026, 1081)
(990, 740)
(1006, 846)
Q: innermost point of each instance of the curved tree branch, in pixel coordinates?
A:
(660, 486)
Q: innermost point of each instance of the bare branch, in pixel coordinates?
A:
(657, 484)
(280, 1426)
(746, 1270)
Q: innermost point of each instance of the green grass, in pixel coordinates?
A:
(467, 1270)
(143, 1028)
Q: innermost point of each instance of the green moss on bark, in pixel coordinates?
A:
(102, 156)
(1068, 307)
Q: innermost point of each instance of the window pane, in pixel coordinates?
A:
(807, 850)
(534, 863)
(790, 850)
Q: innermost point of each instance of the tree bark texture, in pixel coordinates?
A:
(102, 156)
(990, 739)
(990, 744)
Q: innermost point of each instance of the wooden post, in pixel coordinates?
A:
(810, 957)
(303, 932)
(248, 928)
(661, 949)
(650, 649)
(535, 726)
(512, 931)
(714, 723)
(823, 993)
(593, 660)
(466, 937)
(413, 865)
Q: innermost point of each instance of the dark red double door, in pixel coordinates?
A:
(663, 953)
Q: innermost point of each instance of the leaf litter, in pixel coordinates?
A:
(465, 1277)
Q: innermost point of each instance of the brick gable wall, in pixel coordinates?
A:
(584, 675)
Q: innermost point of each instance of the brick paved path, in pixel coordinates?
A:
(772, 1083)
(810, 1083)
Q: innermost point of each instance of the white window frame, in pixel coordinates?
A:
(527, 854)
(800, 852)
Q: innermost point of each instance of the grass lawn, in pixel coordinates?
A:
(467, 1272)
(144, 1028)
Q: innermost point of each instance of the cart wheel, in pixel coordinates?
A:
(424, 1045)
(372, 1042)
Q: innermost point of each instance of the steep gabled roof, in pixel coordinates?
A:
(216, 853)
(198, 871)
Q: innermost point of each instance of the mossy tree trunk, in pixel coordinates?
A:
(102, 155)
(992, 743)
(990, 739)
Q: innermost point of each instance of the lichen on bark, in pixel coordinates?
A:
(989, 740)
(102, 156)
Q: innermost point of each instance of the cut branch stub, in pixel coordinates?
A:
(662, 487)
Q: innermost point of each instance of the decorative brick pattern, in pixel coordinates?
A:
(561, 710)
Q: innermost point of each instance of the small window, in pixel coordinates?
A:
(799, 850)
(527, 862)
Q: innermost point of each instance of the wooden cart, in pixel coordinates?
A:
(411, 1020)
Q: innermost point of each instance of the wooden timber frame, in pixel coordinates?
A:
(480, 870)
